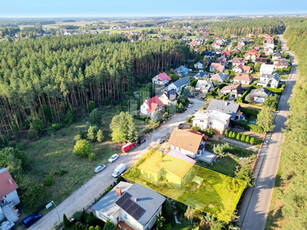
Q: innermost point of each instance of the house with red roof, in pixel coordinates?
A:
(252, 55)
(151, 105)
(217, 66)
(161, 79)
(242, 69)
(8, 196)
(226, 54)
(233, 90)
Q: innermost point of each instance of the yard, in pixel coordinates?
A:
(52, 156)
(207, 190)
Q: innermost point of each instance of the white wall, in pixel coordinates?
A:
(12, 197)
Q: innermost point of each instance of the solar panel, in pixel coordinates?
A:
(132, 208)
(127, 204)
(138, 213)
(123, 199)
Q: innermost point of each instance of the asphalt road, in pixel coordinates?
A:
(256, 201)
(85, 196)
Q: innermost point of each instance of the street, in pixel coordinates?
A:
(91, 190)
(256, 201)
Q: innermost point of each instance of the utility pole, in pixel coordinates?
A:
(56, 209)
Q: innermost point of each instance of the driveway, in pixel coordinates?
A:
(86, 195)
(256, 201)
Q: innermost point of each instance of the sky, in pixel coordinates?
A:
(136, 8)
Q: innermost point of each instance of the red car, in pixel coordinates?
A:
(125, 148)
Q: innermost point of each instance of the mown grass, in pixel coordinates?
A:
(226, 165)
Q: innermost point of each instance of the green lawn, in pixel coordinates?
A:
(204, 189)
(53, 154)
(226, 165)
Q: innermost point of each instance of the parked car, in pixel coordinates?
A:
(190, 105)
(160, 140)
(31, 219)
(195, 111)
(125, 148)
(119, 170)
(140, 141)
(100, 168)
(113, 158)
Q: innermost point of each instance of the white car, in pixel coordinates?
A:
(160, 140)
(195, 111)
(190, 106)
(113, 158)
(100, 168)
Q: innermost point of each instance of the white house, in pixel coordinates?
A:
(8, 197)
(269, 80)
(204, 86)
(233, 90)
(130, 205)
(220, 77)
(267, 69)
(169, 97)
(198, 65)
(161, 79)
(217, 66)
(151, 105)
(179, 84)
(214, 119)
(188, 142)
(244, 79)
(228, 107)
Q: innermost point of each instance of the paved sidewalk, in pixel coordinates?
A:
(91, 190)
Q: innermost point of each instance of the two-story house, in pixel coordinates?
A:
(151, 105)
(198, 65)
(233, 90)
(169, 97)
(219, 77)
(216, 120)
(161, 79)
(217, 67)
(269, 80)
(244, 79)
(228, 107)
(204, 86)
(258, 95)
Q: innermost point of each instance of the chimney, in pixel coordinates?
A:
(118, 191)
(135, 199)
(10, 180)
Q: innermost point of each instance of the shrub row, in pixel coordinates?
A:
(240, 137)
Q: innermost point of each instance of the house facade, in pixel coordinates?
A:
(130, 204)
(181, 71)
(258, 95)
(9, 198)
(179, 84)
(233, 90)
(231, 108)
(216, 120)
(269, 80)
(204, 86)
(217, 67)
(244, 79)
(198, 65)
(169, 97)
(220, 77)
(151, 105)
(188, 142)
(161, 79)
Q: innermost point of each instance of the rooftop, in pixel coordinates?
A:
(7, 183)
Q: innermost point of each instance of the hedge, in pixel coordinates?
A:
(250, 112)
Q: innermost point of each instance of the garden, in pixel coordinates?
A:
(206, 190)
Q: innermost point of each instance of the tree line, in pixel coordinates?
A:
(44, 78)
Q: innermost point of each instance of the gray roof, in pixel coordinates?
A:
(149, 200)
(261, 92)
(181, 69)
(107, 204)
(224, 106)
(183, 81)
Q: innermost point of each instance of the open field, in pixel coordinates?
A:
(52, 156)
(200, 188)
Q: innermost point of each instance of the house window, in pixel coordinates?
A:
(210, 123)
(201, 120)
(125, 216)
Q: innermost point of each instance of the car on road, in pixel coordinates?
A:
(125, 148)
(140, 141)
(31, 219)
(160, 140)
(190, 105)
(195, 111)
(119, 170)
(113, 158)
(100, 168)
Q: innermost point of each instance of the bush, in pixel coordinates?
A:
(243, 137)
(54, 127)
(66, 222)
(196, 128)
(250, 112)
(100, 135)
(247, 139)
(77, 137)
(69, 117)
(13, 159)
(256, 129)
(190, 119)
(226, 133)
(230, 134)
(92, 156)
(252, 140)
(38, 125)
(48, 180)
(91, 133)
(209, 132)
(82, 148)
(20, 145)
(91, 105)
(109, 188)
(95, 117)
(238, 136)
(233, 135)
(77, 215)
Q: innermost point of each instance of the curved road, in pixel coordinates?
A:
(256, 201)
(86, 195)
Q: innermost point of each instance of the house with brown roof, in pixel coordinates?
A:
(242, 69)
(238, 61)
(244, 79)
(188, 142)
(151, 105)
(220, 77)
(161, 79)
(251, 55)
(217, 66)
(221, 60)
(8, 196)
(232, 90)
(281, 63)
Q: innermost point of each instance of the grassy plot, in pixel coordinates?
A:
(200, 188)
(226, 165)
